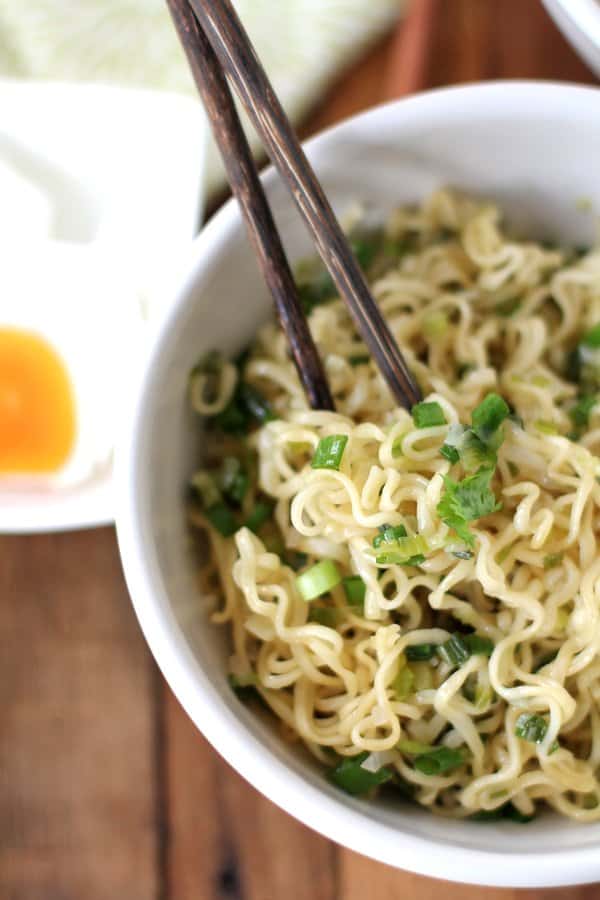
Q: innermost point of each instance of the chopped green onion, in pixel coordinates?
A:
(329, 452)
(428, 415)
(552, 560)
(474, 453)
(403, 683)
(488, 416)
(435, 325)
(438, 761)
(355, 590)
(449, 453)
(416, 652)
(414, 748)
(389, 534)
(260, 513)
(465, 501)
(454, 651)
(318, 580)
(531, 727)
(404, 551)
(352, 778)
(222, 519)
(478, 646)
(234, 480)
(359, 360)
(545, 427)
(459, 647)
(246, 404)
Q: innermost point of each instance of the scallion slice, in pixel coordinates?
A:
(454, 651)
(531, 727)
(221, 518)
(489, 416)
(234, 479)
(355, 590)
(352, 778)
(318, 580)
(417, 652)
(428, 415)
(450, 453)
(329, 452)
(458, 648)
(439, 761)
(478, 646)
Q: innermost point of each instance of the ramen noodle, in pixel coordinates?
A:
(415, 595)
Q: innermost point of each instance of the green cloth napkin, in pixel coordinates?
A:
(303, 44)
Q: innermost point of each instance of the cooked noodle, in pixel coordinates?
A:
(475, 312)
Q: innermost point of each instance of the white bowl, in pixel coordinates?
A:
(535, 149)
(579, 21)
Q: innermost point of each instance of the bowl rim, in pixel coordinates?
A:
(343, 824)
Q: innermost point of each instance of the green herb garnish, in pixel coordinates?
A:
(318, 580)
(352, 778)
(438, 761)
(531, 727)
(418, 652)
(329, 452)
(428, 415)
(465, 501)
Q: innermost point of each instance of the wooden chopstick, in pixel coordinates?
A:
(224, 31)
(248, 190)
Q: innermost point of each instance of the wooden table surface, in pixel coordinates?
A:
(106, 789)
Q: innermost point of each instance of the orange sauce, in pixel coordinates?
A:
(37, 408)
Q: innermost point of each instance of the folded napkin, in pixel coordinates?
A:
(303, 44)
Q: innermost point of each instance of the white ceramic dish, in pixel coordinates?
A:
(579, 20)
(107, 191)
(532, 147)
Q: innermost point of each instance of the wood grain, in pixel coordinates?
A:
(77, 778)
(107, 792)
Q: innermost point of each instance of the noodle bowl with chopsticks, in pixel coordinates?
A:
(416, 596)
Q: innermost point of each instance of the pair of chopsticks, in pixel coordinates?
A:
(218, 48)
